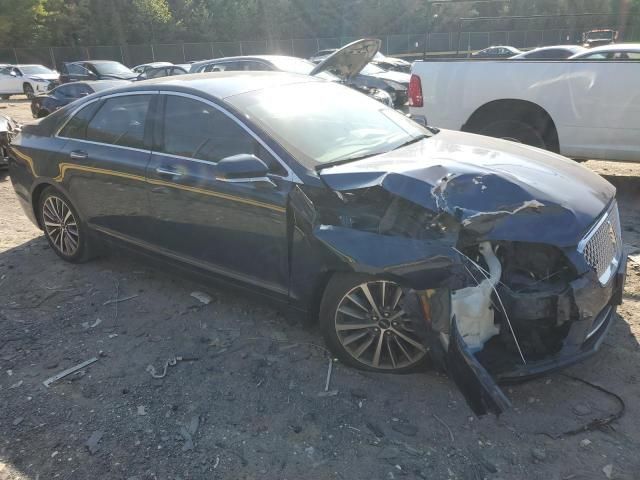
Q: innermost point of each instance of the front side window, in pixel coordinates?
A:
(75, 69)
(120, 121)
(77, 126)
(194, 129)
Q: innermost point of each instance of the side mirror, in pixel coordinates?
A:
(13, 73)
(242, 167)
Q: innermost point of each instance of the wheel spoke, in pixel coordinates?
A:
(348, 340)
(362, 348)
(392, 355)
(396, 315)
(367, 293)
(409, 340)
(357, 302)
(383, 293)
(404, 350)
(396, 297)
(52, 224)
(351, 312)
(376, 355)
(353, 326)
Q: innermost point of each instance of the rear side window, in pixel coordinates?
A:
(120, 121)
(194, 129)
(75, 69)
(77, 126)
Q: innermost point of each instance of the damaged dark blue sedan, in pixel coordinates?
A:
(497, 260)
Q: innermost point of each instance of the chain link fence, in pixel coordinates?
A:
(409, 45)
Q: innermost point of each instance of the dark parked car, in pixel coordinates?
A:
(404, 241)
(146, 66)
(44, 104)
(499, 51)
(158, 72)
(95, 70)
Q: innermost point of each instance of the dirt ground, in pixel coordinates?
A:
(246, 400)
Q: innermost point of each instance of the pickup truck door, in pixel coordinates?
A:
(606, 107)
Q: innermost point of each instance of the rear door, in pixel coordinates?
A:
(104, 163)
(235, 228)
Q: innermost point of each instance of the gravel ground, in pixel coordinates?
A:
(245, 398)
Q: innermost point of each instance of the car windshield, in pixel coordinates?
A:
(36, 70)
(112, 68)
(323, 122)
(299, 65)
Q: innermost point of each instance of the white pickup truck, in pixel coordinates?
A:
(581, 109)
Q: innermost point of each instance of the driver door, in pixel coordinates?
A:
(237, 228)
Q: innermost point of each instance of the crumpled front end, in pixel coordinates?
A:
(508, 280)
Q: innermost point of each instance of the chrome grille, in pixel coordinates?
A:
(602, 246)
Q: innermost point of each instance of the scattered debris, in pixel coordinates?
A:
(217, 462)
(375, 429)
(539, 454)
(17, 384)
(94, 439)
(329, 369)
(17, 421)
(596, 423)
(188, 431)
(581, 409)
(405, 429)
(453, 440)
(87, 325)
(68, 371)
(142, 410)
(330, 393)
(608, 471)
(585, 443)
(120, 300)
(202, 297)
(169, 363)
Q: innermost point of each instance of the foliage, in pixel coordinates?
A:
(105, 22)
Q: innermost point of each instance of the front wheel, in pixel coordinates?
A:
(28, 91)
(5, 97)
(365, 326)
(66, 233)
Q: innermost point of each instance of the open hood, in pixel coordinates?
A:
(350, 59)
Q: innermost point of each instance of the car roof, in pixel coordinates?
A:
(572, 48)
(244, 57)
(220, 84)
(154, 64)
(95, 61)
(28, 65)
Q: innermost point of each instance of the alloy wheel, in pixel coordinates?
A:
(374, 329)
(61, 225)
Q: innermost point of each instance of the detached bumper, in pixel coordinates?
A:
(585, 336)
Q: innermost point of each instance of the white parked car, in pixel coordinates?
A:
(616, 51)
(557, 52)
(26, 79)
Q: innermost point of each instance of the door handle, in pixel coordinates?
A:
(168, 172)
(78, 155)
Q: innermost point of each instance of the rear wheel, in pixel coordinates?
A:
(516, 131)
(5, 97)
(63, 228)
(28, 91)
(365, 326)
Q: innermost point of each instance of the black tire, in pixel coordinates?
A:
(28, 91)
(517, 131)
(42, 113)
(5, 97)
(338, 287)
(83, 250)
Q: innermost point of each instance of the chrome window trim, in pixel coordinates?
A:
(291, 176)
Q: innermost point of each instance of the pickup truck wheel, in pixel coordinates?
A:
(28, 91)
(365, 326)
(515, 131)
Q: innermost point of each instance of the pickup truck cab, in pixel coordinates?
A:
(580, 109)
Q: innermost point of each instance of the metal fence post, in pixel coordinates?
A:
(240, 47)
(53, 58)
(213, 55)
(293, 48)
(15, 54)
(184, 55)
(318, 44)
(153, 54)
(122, 55)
